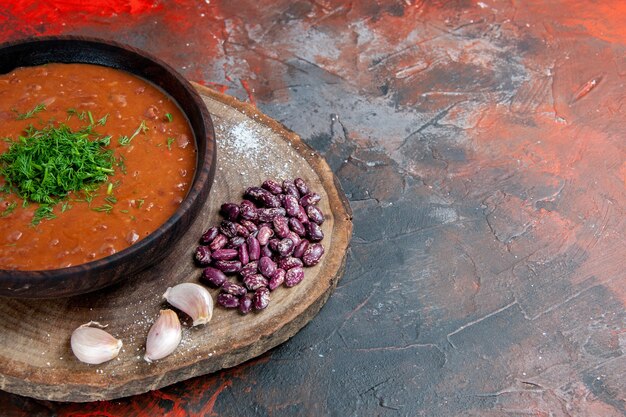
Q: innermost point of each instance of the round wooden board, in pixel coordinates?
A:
(35, 356)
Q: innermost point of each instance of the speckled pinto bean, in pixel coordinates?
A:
(203, 255)
(214, 277)
(254, 282)
(225, 254)
(268, 239)
(209, 235)
(261, 298)
(294, 276)
(313, 254)
(230, 211)
(245, 304)
(254, 248)
(218, 242)
(244, 257)
(227, 300)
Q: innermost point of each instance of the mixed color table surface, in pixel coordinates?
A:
(483, 150)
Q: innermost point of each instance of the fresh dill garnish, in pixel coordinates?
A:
(169, 117)
(111, 199)
(43, 212)
(170, 141)
(105, 208)
(110, 188)
(103, 121)
(73, 112)
(9, 209)
(23, 116)
(90, 117)
(125, 140)
(65, 206)
(140, 203)
(121, 163)
(124, 211)
(44, 165)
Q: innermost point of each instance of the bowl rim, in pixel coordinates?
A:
(205, 171)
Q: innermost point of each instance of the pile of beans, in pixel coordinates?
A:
(266, 240)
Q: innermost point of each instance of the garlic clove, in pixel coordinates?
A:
(93, 345)
(192, 299)
(164, 336)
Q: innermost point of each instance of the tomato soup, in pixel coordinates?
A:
(153, 152)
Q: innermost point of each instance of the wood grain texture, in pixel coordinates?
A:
(35, 357)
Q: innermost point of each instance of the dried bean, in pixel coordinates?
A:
(290, 188)
(209, 235)
(273, 244)
(254, 192)
(248, 211)
(285, 247)
(228, 300)
(266, 266)
(301, 248)
(277, 279)
(281, 226)
(225, 254)
(313, 254)
(301, 215)
(268, 214)
(254, 282)
(294, 236)
(203, 255)
(219, 242)
(289, 262)
(213, 277)
(241, 230)
(294, 276)
(236, 241)
(230, 211)
(263, 196)
(296, 226)
(270, 200)
(266, 251)
(254, 248)
(315, 232)
(272, 186)
(301, 186)
(291, 204)
(261, 298)
(310, 198)
(250, 226)
(315, 214)
(228, 266)
(234, 289)
(245, 304)
(228, 228)
(264, 235)
(244, 257)
(249, 269)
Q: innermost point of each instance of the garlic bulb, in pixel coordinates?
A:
(93, 345)
(164, 336)
(193, 299)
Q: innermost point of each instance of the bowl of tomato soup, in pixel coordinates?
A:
(106, 157)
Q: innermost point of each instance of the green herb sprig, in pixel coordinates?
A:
(23, 116)
(44, 165)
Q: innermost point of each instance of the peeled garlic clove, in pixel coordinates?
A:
(93, 345)
(164, 336)
(193, 299)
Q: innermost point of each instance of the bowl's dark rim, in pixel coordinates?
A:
(206, 172)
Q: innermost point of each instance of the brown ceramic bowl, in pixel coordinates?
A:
(100, 273)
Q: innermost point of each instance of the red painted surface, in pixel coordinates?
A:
(482, 141)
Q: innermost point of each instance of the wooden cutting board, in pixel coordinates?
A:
(35, 355)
